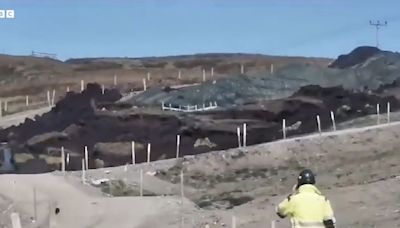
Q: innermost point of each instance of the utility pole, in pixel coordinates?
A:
(377, 25)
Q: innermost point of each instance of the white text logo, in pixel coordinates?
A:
(7, 14)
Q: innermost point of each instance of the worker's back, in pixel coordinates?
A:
(307, 207)
(309, 204)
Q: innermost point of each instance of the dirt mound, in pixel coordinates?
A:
(74, 108)
(357, 56)
(77, 117)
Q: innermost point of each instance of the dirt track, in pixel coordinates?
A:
(18, 118)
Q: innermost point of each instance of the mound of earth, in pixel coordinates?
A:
(378, 68)
(357, 56)
(108, 134)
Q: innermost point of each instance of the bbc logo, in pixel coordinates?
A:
(7, 14)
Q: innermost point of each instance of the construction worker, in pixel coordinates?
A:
(307, 207)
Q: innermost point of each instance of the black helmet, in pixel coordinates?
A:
(306, 177)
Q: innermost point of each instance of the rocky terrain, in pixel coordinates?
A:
(108, 123)
(357, 170)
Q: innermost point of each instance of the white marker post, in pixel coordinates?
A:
(144, 84)
(212, 71)
(241, 68)
(26, 100)
(388, 112)
(103, 89)
(133, 153)
(34, 205)
(53, 97)
(273, 224)
(67, 159)
(272, 68)
(148, 152)
(62, 160)
(182, 189)
(179, 74)
(68, 89)
(141, 182)
(378, 121)
(238, 136)
(48, 98)
(204, 75)
(1, 109)
(178, 143)
(333, 121)
(6, 105)
(15, 220)
(86, 158)
(115, 80)
(233, 221)
(319, 124)
(148, 76)
(244, 135)
(83, 172)
(284, 128)
(82, 85)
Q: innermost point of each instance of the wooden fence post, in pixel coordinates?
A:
(83, 172)
(6, 105)
(48, 98)
(62, 160)
(1, 109)
(67, 159)
(148, 76)
(53, 97)
(133, 153)
(148, 152)
(144, 84)
(333, 120)
(238, 136)
(204, 75)
(115, 80)
(82, 85)
(178, 143)
(378, 121)
(141, 182)
(244, 135)
(212, 71)
(284, 128)
(15, 220)
(27, 100)
(182, 189)
(272, 68)
(34, 205)
(86, 158)
(319, 124)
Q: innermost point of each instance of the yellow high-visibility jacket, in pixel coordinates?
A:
(307, 208)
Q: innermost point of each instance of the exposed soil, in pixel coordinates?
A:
(78, 121)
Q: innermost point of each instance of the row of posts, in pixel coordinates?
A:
(51, 97)
(332, 116)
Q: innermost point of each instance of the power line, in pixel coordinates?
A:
(377, 25)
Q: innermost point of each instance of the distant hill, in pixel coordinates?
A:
(20, 75)
(365, 68)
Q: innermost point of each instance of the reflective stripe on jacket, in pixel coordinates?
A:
(307, 208)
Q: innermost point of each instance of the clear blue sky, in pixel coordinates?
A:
(89, 28)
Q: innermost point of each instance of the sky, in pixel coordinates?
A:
(139, 28)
